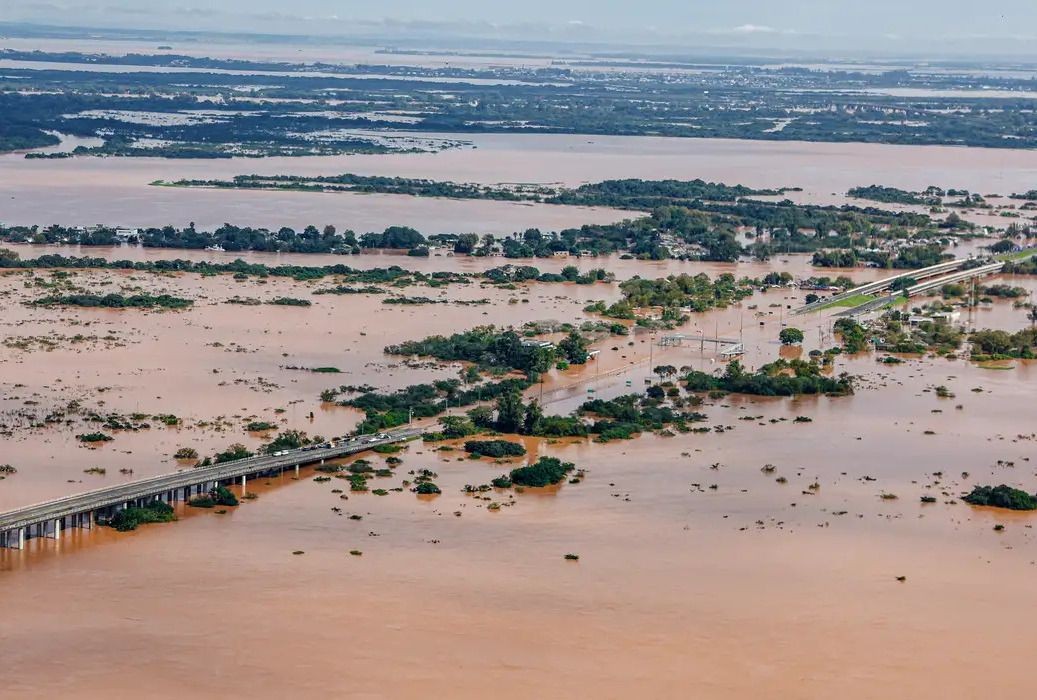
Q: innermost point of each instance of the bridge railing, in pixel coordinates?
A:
(144, 488)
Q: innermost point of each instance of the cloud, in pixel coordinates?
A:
(754, 29)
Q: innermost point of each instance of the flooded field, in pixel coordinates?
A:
(784, 551)
(699, 571)
(117, 191)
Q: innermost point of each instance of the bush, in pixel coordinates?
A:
(260, 426)
(233, 453)
(223, 496)
(154, 512)
(202, 501)
(544, 472)
(1001, 497)
(427, 488)
(494, 448)
(94, 437)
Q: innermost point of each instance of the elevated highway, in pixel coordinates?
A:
(49, 518)
(885, 284)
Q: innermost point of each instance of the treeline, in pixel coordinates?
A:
(625, 194)
(376, 184)
(904, 258)
(705, 229)
(997, 344)
(492, 349)
(621, 418)
(385, 411)
(228, 237)
(116, 301)
(780, 378)
(688, 219)
(696, 292)
(510, 274)
(894, 195)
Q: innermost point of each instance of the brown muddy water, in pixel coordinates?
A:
(752, 588)
(116, 191)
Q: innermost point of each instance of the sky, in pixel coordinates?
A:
(954, 26)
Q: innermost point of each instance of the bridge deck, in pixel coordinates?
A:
(882, 284)
(112, 496)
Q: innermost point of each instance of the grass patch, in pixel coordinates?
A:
(850, 302)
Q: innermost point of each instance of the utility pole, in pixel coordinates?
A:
(651, 349)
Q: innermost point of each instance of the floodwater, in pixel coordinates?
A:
(442, 259)
(117, 191)
(754, 588)
(750, 588)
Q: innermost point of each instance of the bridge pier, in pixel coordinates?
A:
(49, 520)
(13, 539)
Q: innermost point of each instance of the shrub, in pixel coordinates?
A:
(234, 452)
(1001, 497)
(94, 437)
(494, 448)
(427, 488)
(790, 336)
(223, 496)
(544, 472)
(154, 512)
(260, 426)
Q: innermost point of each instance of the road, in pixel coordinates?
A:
(158, 486)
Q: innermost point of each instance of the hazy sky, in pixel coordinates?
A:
(789, 23)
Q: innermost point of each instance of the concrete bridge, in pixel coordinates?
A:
(930, 285)
(885, 284)
(48, 519)
(937, 283)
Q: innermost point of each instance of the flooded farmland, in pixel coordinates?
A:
(117, 191)
(807, 547)
(697, 568)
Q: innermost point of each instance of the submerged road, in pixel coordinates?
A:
(48, 518)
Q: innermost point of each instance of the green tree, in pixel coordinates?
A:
(734, 371)
(665, 371)
(481, 417)
(457, 426)
(509, 412)
(466, 243)
(534, 418)
(790, 336)
(574, 348)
